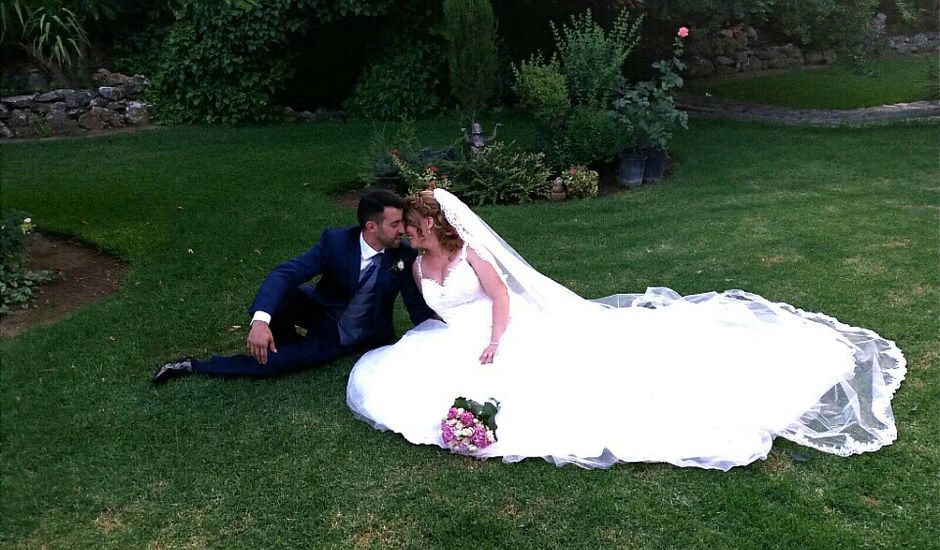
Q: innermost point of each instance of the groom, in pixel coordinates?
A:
(349, 309)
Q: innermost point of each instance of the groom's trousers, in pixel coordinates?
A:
(320, 345)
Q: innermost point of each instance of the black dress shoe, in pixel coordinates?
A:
(180, 367)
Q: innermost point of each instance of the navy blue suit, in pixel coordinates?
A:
(291, 299)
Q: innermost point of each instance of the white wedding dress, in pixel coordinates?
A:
(706, 380)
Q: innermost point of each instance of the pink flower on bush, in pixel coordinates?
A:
(452, 413)
(683, 32)
(466, 419)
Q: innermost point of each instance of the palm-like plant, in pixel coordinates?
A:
(53, 36)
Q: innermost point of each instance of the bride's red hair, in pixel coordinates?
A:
(423, 205)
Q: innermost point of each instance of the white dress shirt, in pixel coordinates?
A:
(366, 253)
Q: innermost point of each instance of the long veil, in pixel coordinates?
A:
(853, 416)
(522, 279)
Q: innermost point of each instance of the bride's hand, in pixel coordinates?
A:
(489, 353)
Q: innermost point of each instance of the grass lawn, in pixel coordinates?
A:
(843, 221)
(895, 80)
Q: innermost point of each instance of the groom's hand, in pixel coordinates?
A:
(260, 340)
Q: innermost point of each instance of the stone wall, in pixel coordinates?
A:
(116, 103)
(919, 43)
(736, 51)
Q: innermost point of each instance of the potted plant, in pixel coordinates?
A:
(632, 109)
(649, 115)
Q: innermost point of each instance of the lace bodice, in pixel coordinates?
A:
(460, 290)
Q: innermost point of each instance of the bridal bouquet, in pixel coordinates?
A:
(469, 426)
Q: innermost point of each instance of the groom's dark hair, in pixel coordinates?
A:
(372, 205)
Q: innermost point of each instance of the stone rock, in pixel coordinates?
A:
(117, 106)
(78, 98)
(701, 66)
(782, 62)
(19, 101)
(792, 52)
(5, 132)
(903, 49)
(98, 102)
(26, 132)
(107, 78)
(755, 63)
(18, 119)
(722, 70)
(49, 107)
(136, 113)
(814, 57)
(110, 92)
(307, 116)
(75, 113)
(36, 82)
(750, 34)
(4, 112)
(322, 113)
(830, 56)
(48, 97)
(724, 60)
(61, 123)
(920, 40)
(766, 54)
(289, 114)
(95, 119)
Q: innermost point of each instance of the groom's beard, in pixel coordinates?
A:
(394, 242)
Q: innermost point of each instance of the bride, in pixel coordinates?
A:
(706, 380)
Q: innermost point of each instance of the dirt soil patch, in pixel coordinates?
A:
(84, 275)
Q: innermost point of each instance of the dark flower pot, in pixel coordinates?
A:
(631, 168)
(655, 165)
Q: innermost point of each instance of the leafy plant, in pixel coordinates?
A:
(588, 134)
(222, 62)
(500, 173)
(470, 30)
(591, 59)
(581, 181)
(403, 85)
(52, 35)
(648, 110)
(542, 88)
(570, 95)
(377, 166)
(17, 284)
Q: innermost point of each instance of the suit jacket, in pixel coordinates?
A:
(337, 258)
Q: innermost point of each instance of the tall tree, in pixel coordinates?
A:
(470, 30)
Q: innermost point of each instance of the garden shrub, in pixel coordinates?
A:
(542, 88)
(223, 62)
(405, 84)
(581, 182)
(592, 59)
(588, 135)
(17, 284)
(500, 173)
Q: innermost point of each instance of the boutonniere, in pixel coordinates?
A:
(398, 267)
